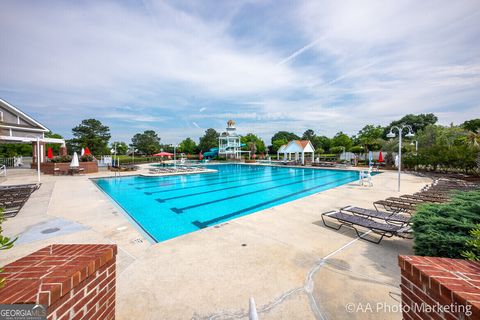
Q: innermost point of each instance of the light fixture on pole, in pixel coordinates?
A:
(133, 158)
(415, 142)
(174, 155)
(391, 134)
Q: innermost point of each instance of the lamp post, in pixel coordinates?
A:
(392, 135)
(416, 152)
(133, 155)
(174, 155)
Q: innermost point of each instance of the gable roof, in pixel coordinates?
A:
(299, 146)
(23, 115)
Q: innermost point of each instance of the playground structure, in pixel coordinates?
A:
(229, 145)
(212, 153)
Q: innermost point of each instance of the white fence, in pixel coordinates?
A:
(16, 162)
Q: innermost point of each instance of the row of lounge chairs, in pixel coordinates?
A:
(12, 198)
(178, 169)
(394, 219)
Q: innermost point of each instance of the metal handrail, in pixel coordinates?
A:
(3, 170)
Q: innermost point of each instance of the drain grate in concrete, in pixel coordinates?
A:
(50, 230)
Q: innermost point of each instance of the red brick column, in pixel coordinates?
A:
(73, 281)
(439, 288)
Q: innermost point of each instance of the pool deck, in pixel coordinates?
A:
(283, 257)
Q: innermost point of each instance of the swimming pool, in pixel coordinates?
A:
(167, 207)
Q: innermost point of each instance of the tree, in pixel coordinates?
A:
(285, 135)
(147, 142)
(322, 142)
(93, 134)
(55, 146)
(309, 134)
(9, 150)
(188, 146)
(259, 144)
(342, 140)
(208, 140)
(471, 125)
(370, 137)
(122, 147)
(278, 143)
(417, 122)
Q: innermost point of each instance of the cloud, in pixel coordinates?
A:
(325, 65)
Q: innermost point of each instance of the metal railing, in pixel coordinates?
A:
(3, 170)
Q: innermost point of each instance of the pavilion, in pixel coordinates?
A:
(298, 148)
(18, 127)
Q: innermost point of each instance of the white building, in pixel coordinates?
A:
(229, 144)
(298, 148)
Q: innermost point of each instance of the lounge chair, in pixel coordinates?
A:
(426, 198)
(394, 206)
(354, 221)
(388, 217)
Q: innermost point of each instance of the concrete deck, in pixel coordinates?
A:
(284, 257)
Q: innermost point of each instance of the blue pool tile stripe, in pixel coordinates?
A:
(212, 184)
(161, 200)
(212, 175)
(180, 210)
(204, 224)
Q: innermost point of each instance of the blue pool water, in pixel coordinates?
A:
(167, 207)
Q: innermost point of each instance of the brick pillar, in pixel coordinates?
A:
(73, 281)
(451, 287)
(42, 152)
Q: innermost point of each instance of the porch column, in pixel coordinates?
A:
(35, 152)
(303, 157)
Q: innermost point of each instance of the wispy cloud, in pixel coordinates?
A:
(329, 65)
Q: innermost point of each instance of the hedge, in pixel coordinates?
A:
(442, 230)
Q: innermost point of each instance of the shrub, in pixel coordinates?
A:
(59, 159)
(5, 243)
(86, 158)
(474, 245)
(443, 230)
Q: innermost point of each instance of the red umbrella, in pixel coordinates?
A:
(87, 151)
(163, 154)
(254, 156)
(380, 156)
(49, 153)
(200, 156)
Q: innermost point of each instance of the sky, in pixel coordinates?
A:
(181, 67)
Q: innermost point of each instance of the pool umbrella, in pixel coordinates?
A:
(74, 162)
(163, 154)
(49, 153)
(254, 156)
(380, 156)
(83, 152)
(87, 151)
(200, 156)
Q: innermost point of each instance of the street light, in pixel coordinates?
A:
(133, 158)
(393, 135)
(416, 152)
(175, 155)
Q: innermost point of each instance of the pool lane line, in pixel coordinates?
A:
(161, 200)
(204, 224)
(222, 182)
(219, 173)
(212, 184)
(213, 178)
(180, 210)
